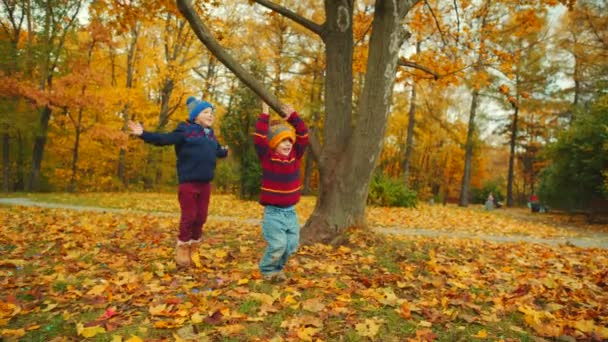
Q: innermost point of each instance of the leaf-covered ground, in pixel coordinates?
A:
(68, 275)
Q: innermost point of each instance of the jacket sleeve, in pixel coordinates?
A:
(221, 151)
(301, 134)
(163, 139)
(260, 137)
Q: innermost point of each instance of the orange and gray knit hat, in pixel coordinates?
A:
(279, 133)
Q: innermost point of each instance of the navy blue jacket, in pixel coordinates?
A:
(196, 149)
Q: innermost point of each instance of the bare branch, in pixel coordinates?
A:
(203, 34)
(436, 22)
(457, 19)
(312, 26)
(406, 63)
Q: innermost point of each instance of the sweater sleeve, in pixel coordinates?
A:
(163, 139)
(301, 134)
(260, 138)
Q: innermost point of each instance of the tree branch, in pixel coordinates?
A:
(312, 26)
(203, 34)
(406, 63)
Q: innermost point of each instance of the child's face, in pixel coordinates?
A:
(284, 147)
(205, 118)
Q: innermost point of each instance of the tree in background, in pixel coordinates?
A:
(577, 173)
(237, 127)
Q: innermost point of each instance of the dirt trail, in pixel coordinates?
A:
(585, 240)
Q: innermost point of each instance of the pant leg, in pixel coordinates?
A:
(202, 209)
(276, 240)
(187, 196)
(292, 233)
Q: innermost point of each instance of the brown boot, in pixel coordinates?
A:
(194, 254)
(182, 255)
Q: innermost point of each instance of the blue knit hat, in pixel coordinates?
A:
(195, 107)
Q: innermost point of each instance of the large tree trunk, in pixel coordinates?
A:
(512, 158)
(6, 162)
(346, 169)
(468, 154)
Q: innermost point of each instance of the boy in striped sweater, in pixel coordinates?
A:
(280, 151)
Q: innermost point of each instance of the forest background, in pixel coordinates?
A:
(489, 96)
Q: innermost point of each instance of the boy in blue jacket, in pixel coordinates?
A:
(196, 149)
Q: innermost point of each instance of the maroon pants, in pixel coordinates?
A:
(194, 202)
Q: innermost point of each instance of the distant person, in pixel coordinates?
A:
(535, 206)
(280, 150)
(490, 202)
(196, 149)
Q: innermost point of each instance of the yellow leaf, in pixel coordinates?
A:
(196, 258)
(12, 332)
(369, 328)
(313, 305)
(116, 338)
(49, 307)
(290, 300)
(585, 326)
(243, 281)
(230, 330)
(196, 318)
(306, 334)
(89, 331)
(481, 334)
(134, 339)
(262, 298)
(157, 310)
(97, 290)
(221, 254)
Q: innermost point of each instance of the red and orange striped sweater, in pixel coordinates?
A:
(281, 182)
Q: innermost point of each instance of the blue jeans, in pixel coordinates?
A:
(281, 231)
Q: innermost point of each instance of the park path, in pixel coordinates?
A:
(590, 240)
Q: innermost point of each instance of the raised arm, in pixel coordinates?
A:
(260, 138)
(158, 139)
(301, 131)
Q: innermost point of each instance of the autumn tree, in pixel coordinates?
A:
(579, 158)
(347, 134)
(584, 37)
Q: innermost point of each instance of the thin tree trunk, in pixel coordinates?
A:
(410, 136)
(122, 153)
(512, 158)
(20, 177)
(468, 155)
(33, 183)
(72, 186)
(315, 100)
(6, 161)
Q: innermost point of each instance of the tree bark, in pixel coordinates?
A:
(512, 158)
(33, 183)
(468, 155)
(122, 153)
(72, 186)
(410, 136)
(6, 162)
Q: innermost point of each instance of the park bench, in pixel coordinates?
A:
(598, 210)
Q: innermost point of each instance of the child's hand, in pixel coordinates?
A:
(287, 109)
(136, 128)
(264, 107)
